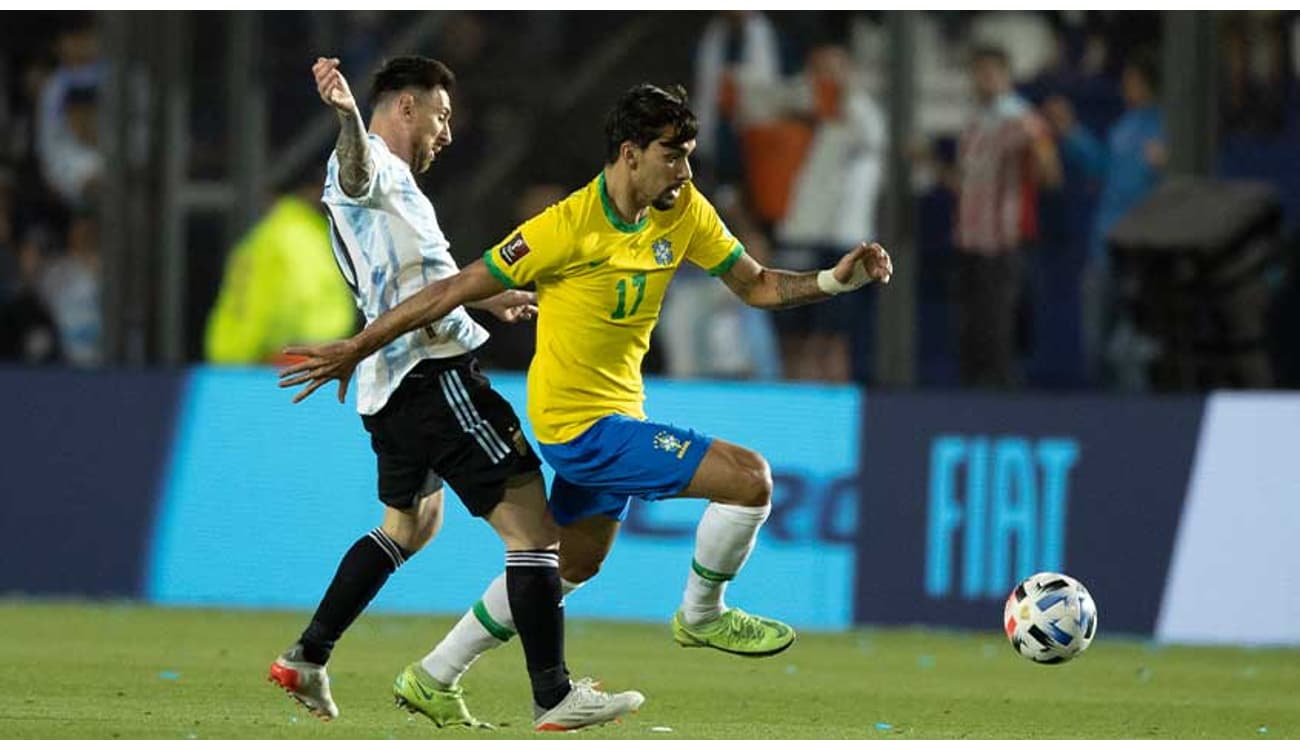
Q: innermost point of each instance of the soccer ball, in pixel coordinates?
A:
(1050, 618)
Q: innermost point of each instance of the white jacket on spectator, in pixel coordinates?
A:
(835, 195)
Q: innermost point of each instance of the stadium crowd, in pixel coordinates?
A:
(1035, 133)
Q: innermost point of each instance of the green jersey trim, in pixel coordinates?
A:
(728, 261)
(613, 216)
(500, 275)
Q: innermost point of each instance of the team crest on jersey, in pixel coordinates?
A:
(670, 443)
(663, 250)
(513, 250)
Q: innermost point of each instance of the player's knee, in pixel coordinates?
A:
(754, 480)
(525, 540)
(414, 529)
(421, 536)
(412, 539)
(577, 571)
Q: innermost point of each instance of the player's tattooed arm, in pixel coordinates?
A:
(775, 289)
(355, 168)
(769, 288)
(794, 289)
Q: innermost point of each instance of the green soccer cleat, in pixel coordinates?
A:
(736, 632)
(418, 692)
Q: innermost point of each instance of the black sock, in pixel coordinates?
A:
(533, 586)
(362, 572)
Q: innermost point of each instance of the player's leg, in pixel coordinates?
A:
(584, 545)
(364, 570)
(500, 481)
(431, 685)
(411, 519)
(413, 497)
(589, 540)
(533, 584)
(619, 457)
(738, 483)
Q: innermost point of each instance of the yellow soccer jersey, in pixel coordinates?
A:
(600, 285)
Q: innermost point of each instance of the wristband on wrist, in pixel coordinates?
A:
(827, 282)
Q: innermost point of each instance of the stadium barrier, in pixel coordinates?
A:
(263, 496)
(81, 461)
(1180, 514)
(208, 488)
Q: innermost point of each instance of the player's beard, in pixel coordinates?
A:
(425, 153)
(666, 199)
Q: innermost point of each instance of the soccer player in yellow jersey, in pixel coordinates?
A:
(601, 260)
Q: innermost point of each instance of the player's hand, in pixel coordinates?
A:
(864, 264)
(319, 365)
(332, 86)
(513, 305)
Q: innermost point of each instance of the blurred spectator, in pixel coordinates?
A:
(22, 122)
(282, 285)
(28, 333)
(1127, 166)
(942, 81)
(737, 48)
(1253, 72)
(774, 144)
(66, 121)
(1026, 36)
(707, 331)
(70, 286)
(1004, 153)
(832, 208)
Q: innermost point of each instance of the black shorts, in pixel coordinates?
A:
(444, 422)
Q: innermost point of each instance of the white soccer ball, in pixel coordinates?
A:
(1050, 618)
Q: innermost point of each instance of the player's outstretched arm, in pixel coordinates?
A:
(337, 359)
(774, 289)
(355, 168)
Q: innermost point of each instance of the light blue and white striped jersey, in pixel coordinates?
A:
(389, 246)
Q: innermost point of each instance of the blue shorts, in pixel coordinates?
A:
(618, 459)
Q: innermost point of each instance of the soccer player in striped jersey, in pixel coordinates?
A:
(601, 260)
(431, 414)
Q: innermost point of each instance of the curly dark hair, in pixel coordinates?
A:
(642, 114)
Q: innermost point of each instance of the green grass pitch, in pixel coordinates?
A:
(109, 671)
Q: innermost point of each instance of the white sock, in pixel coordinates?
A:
(485, 626)
(723, 541)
